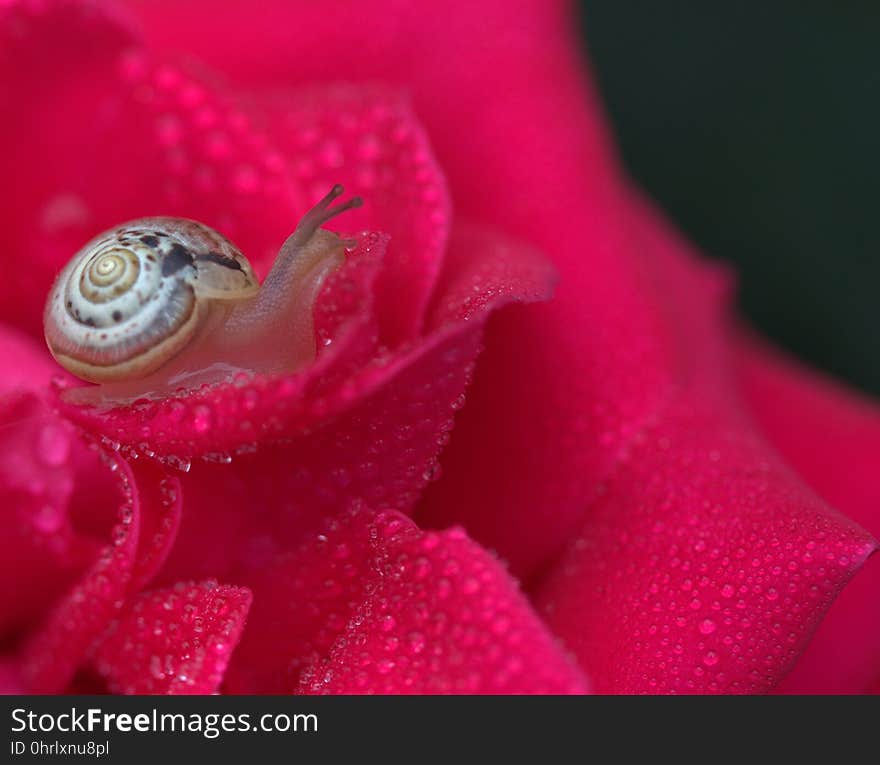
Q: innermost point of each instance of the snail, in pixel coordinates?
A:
(154, 303)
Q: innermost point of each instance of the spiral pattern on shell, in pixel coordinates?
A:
(134, 296)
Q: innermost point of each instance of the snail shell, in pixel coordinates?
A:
(133, 297)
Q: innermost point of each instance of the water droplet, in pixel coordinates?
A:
(178, 463)
(251, 399)
(53, 445)
(218, 458)
(167, 78)
(176, 410)
(202, 418)
(331, 155)
(370, 147)
(432, 472)
(422, 568)
(245, 179)
(470, 585)
(156, 668)
(169, 131)
(416, 642)
(384, 666)
(707, 626)
(48, 519)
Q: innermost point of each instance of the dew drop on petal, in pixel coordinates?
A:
(202, 418)
(53, 445)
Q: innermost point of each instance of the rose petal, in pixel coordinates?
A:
(10, 681)
(485, 270)
(304, 597)
(368, 139)
(137, 507)
(706, 569)
(832, 437)
(707, 564)
(166, 142)
(54, 652)
(39, 548)
(26, 365)
(174, 641)
(372, 604)
(37, 466)
(161, 507)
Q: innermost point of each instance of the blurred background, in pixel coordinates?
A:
(756, 126)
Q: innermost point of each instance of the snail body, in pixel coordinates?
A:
(157, 300)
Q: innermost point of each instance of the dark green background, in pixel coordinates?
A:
(756, 125)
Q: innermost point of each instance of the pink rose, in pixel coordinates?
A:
(659, 485)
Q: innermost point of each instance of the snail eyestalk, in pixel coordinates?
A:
(320, 214)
